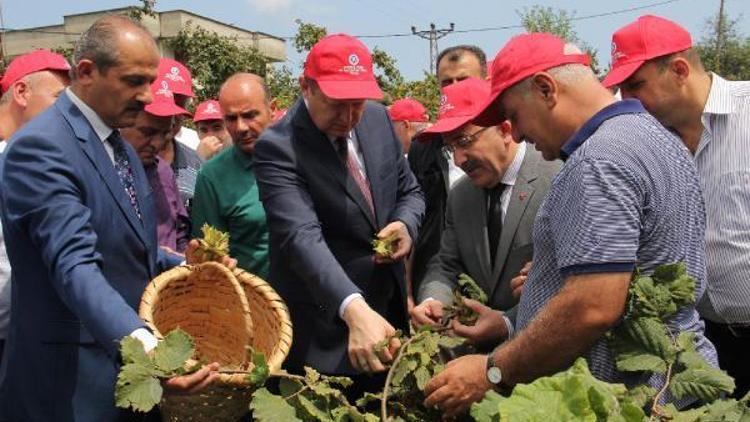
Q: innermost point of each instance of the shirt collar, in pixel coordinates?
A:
(511, 174)
(720, 97)
(243, 159)
(629, 106)
(102, 129)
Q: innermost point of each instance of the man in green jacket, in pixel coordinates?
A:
(226, 194)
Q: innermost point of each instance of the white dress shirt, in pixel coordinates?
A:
(723, 162)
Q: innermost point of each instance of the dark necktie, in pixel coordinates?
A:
(495, 218)
(124, 170)
(342, 148)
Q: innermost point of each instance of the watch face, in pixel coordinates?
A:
(494, 375)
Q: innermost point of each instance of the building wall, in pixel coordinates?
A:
(166, 25)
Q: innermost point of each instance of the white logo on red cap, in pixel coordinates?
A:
(164, 91)
(616, 55)
(211, 109)
(174, 75)
(445, 106)
(354, 67)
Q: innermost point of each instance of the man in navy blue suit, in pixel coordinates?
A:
(79, 224)
(332, 177)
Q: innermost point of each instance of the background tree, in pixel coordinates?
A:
(723, 49)
(558, 22)
(212, 58)
(145, 9)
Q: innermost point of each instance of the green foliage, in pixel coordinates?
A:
(212, 58)
(420, 358)
(559, 22)
(467, 288)
(307, 35)
(145, 9)
(283, 86)
(725, 50)
(267, 407)
(260, 372)
(138, 383)
(573, 395)
(213, 245)
(312, 397)
(643, 343)
(171, 354)
(385, 247)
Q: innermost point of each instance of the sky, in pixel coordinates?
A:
(373, 17)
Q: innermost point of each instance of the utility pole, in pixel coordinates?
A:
(2, 39)
(719, 37)
(433, 35)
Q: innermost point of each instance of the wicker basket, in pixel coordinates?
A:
(224, 311)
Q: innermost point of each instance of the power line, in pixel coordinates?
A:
(408, 34)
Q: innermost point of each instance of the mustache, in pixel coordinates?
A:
(469, 166)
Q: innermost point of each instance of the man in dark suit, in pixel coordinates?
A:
(333, 177)
(433, 168)
(80, 229)
(489, 218)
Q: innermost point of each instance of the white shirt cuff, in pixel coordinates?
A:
(509, 326)
(145, 336)
(347, 301)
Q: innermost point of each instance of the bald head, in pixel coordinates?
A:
(241, 84)
(246, 107)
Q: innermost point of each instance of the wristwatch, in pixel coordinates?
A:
(494, 375)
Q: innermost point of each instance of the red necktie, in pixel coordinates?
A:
(353, 167)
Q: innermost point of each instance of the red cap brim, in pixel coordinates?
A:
(446, 125)
(621, 73)
(351, 90)
(165, 109)
(490, 113)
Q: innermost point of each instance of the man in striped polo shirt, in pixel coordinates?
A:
(653, 60)
(627, 197)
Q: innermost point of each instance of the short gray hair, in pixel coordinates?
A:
(98, 43)
(567, 75)
(30, 80)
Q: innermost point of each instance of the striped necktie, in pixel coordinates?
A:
(124, 170)
(342, 148)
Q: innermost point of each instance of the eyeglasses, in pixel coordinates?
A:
(463, 142)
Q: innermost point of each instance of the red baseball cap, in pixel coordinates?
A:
(459, 104)
(342, 67)
(407, 109)
(523, 56)
(163, 104)
(646, 38)
(36, 61)
(177, 76)
(208, 110)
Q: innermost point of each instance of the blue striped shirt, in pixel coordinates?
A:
(627, 196)
(723, 162)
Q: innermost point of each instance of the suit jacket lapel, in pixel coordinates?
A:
(329, 159)
(520, 197)
(94, 150)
